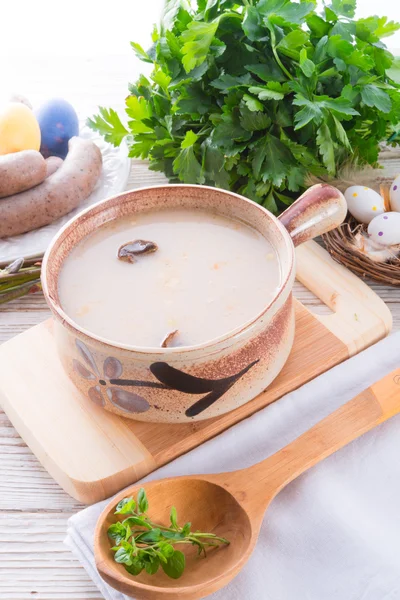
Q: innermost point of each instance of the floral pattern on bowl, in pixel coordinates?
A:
(112, 370)
(168, 377)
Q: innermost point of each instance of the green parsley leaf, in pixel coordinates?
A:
(347, 8)
(266, 94)
(253, 121)
(214, 165)
(229, 76)
(326, 149)
(252, 103)
(252, 24)
(282, 11)
(306, 65)
(317, 26)
(341, 134)
(186, 165)
(140, 53)
(109, 125)
(270, 158)
(373, 96)
(268, 71)
(226, 82)
(197, 39)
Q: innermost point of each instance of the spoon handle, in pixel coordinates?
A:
(367, 410)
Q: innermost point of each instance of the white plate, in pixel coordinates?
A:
(113, 180)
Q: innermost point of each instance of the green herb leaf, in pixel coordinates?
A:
(166, 549)
(175, 565)
(140, 53)
(281, 11)
(374, 96)
(135, 568)
(149, 537)
(125, 506)
(117, 532)
(253, 121)
(109, 125)
(326, 148)
(214, 165)
(268, 71)
(197, 40)
(252, 24)
(293, 40)
(347, 8)
(266, 94)
(138, 521)
(123, 556)
(317, 26)
(186, 165)
(271, 157)
(306, 65)
(173, 517)
(252, 103)
(226, 82)
(341, 134)
(151, 564)
(143, 503)
(173, 535)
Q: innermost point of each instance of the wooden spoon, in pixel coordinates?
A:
(233, 504)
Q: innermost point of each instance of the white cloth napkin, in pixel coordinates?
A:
(334, 533)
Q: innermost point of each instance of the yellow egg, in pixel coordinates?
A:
(19, 129)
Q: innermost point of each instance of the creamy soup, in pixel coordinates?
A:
(202, 276)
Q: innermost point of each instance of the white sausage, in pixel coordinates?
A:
(21, 171)
(63, 191)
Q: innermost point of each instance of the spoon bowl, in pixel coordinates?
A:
(232, 505)
(211, 508)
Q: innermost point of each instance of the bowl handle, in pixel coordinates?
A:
(321, 208)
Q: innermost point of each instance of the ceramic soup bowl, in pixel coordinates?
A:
(178, 385)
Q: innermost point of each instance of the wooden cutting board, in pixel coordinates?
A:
(93, 453)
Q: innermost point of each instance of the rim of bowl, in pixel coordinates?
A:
(58, 311)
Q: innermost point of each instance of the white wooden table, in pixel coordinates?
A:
(33, 509)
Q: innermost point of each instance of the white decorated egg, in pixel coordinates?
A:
(363, 203)
(385, 229)
(395, 195)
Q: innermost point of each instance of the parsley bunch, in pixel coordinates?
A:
(254, 95)
(141, 544)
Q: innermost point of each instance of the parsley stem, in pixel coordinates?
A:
(276, 55)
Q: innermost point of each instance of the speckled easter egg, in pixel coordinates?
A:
(58, 124)
(19, 129)
(395, 195)
(363, 203)
(385, 229)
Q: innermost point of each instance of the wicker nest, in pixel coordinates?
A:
(340, 245)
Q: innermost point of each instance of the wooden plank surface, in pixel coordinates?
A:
(33, 508)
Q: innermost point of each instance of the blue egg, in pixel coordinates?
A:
(58, 123)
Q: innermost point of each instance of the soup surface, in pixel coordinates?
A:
(209, 275)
